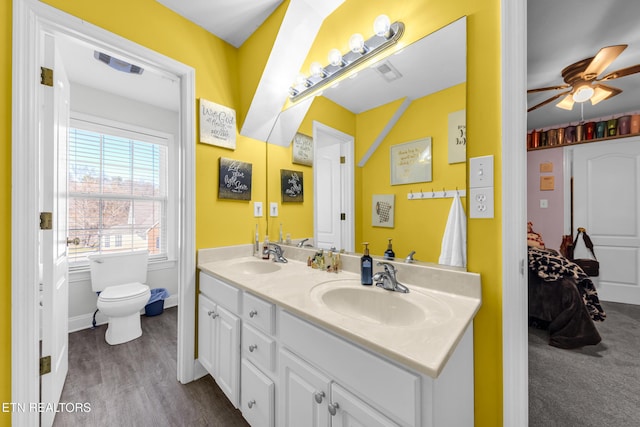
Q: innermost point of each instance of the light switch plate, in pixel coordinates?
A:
(481, 202)
(481, 172)
(257, 209)
(544, 203)
(273, 209)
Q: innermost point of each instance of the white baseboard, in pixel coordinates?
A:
(85, 321)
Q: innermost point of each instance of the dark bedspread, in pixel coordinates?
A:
(563, 299)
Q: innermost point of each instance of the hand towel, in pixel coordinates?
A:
(454, 242)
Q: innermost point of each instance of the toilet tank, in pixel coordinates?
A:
(118, 269)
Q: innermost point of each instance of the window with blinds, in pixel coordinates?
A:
(118, 193)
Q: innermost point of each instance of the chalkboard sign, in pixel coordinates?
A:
(292, 186)
(235, 180)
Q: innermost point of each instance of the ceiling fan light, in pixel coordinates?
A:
(600, 95)
(583, 93)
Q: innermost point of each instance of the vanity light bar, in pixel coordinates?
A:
(350, 60)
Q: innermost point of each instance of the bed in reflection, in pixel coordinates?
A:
(562, 298)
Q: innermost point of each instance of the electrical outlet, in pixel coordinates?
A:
(481, 202)
(273, 209)
(257, 209)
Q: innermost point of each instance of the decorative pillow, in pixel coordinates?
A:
(533, 238)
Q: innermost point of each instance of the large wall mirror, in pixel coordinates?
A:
(356, 137)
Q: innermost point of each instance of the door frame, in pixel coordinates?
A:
(513, 214)
(347, 227)
(30, 19)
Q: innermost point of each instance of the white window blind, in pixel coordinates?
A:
(118, 193)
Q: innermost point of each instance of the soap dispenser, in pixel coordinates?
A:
(366, 267)
(389, 254)
(265, 248)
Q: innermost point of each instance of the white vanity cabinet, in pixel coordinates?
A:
(219, 334)
(258, 370)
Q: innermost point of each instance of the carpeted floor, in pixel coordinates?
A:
(592, 386)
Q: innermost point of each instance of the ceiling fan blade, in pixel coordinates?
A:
(602, 60)
(543, 103)
(602, 92)
(542, 89)
(621, 73)
(566, 103)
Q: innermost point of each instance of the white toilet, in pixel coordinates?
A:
(120, 280)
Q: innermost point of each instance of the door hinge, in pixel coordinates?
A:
(46, 76)
(343, 216)
(343, 160)
(45, 365)
(46, 220)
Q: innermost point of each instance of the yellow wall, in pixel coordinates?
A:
(5, 206)
(218, 76)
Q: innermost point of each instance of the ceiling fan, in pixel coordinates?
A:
(581, 78)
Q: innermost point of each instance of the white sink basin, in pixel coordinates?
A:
(256, 267)
(378, 306)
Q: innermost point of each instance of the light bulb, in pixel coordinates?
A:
(301, 80)
(335, 58)
(356, 44)
(381, 26)
(317, 70)
(583, 93)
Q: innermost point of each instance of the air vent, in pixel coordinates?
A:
(117, 64)
(388, 71)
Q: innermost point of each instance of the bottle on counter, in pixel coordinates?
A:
(389, 254)
(265, 248)
(366, 267)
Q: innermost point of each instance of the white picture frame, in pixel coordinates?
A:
(411, 162)
(217, 125)
(382, 212)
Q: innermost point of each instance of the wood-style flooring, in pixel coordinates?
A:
(134, 384)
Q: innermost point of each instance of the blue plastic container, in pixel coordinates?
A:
(155, 306)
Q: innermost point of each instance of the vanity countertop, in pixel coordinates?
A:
(424, 346)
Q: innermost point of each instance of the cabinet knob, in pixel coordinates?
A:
(251, 403)
(319, 395)
(253, 347)
(333, 408)
(253, 313)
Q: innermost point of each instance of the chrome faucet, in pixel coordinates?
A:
(409, 259)
(301, 243)
(277, 252)
(387, 279)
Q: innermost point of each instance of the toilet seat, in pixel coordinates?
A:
(123, 292)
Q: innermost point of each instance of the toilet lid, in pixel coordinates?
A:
(123, 292)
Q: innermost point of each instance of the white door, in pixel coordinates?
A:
(303, 394)
(333, 189)
(607, 204)
(53, 242)
(348, 410)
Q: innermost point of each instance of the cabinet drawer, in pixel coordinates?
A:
(258, 348)
(257, 396)
(390, 388)
(259, 313)
(226, 295)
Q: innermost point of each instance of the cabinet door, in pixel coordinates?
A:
(303, 394)
(348, 410)
(227, 354)
(206, 324)
(258, 404)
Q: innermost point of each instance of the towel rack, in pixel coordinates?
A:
(444, 194)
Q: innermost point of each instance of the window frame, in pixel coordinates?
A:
(127, 130)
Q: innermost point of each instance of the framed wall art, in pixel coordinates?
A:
(302, 149)
(411, 162)
(217, 125)
(458, 137)
(235, 180)
(383, 210)
(291, 184)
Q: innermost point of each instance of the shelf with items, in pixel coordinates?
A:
(623, 126)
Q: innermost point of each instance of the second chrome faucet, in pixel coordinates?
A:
(388, 280)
